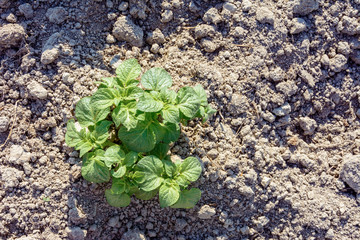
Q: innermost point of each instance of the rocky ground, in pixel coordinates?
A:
(281, 156)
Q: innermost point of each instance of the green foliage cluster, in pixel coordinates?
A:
(123, 133)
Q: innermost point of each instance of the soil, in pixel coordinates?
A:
(281, 156)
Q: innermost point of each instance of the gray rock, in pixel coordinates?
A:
(268, 116)
(4, 3)
(50, 55)
(264, 15)
(245, 230)
(246, 5)
(212, 16)
(206, 212)
(307, 77)
(283, 110)
(37, 91)
(355, 56)
(11, 35)
(229, 7)
(180, 224)
(213, 153)
(349, 26)
(11, 177)
(304, 7)
(26, 10)
(76, 216)
(289, 88)
(350, 172)
(338, 63)
(240, 32)
(18, 155)
(4, 124)
(358, 113)
(308, 125)
(155, 37)
(11, 18)
(76, 233)
(277, 74)
(246, 191)
(114, 221)
(123, 6)
(344, 48)
(239, 104)
(208, 45)
(298, 25)
(133, 235)
(110, 39)
(125, 30)
(56, 15)
(261, 222)
(155, 48)
(167, 16)
(330, 234)
(204, 30)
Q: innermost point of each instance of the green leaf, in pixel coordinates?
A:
(87, 115)
(94, 170)
(201, 94)
(117, 200)
(169, 193)
(187, 102)
(113, 154)
(130, 158)
(167, 95)
(127, 72)
(170, 168)
(160, 150)
(140, 194)
(125, 114)
(152, 168)
(101, 134)
(78, 139)
(108, 82)
(119, 173)
(105, 97)
(143, 137)
(188, 198)
(191, 169)
(118, 186)
(156, 79)
(148, 104)
(170, 113)
(182, 181)
(171, 132)
(131, 93)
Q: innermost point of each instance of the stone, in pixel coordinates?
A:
(246, 5)
(76, 216)
(268, 116)
(56, 15)
(240, 32)
(17, 155)
(206, 212)
(355, 56)
(264, 15)
(289, 88)
(358, 113)
(229, 7)
(350, 172)
(283, 110)
(308, 125)
(114, 221)
(277, 74)
(76, 233)
(167, 16)
(349, 26)
(10, 177)
(298, 25)
(155, 37)
(180, 224)
(204, 30)
(11, 35)
(49, 56)
(155, 48)
(11, 18)
(261, 222)
(208, 45)
(213, 153)
(37, 91)
(338, 63)
(123, 6)
(330, 234)
(304, 7)
(133, 235)
(212, 16)
(125, 30)
(4, 124)
(26, 10)
(307, 77)
(246, 191)
(110, 39)
(239, 104)
(344, 48)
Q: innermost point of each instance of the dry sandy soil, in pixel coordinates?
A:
(281, 156)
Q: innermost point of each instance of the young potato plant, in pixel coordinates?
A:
(123, 133)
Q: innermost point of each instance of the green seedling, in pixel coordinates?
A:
(123, 133)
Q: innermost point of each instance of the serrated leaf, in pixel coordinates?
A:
(113, 154)
(188, 198)
(147, 103)
(201, 94)
(170, 168)
(191, 169)
(94, 170)
(130, 158)
(167, 95)
(170, 113)
(187, 102)
(108, 82)
(169, 193)
(119, 173)
(140, 194)
(80, 140)
(125, 114)
(87, 115)
(117, 200)
(152, 168)
(156, 79)
(171, 132)
(127, 72)
(101, 134)
(160, 150)
(131, 93)
(105, 97)
(118, 186)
